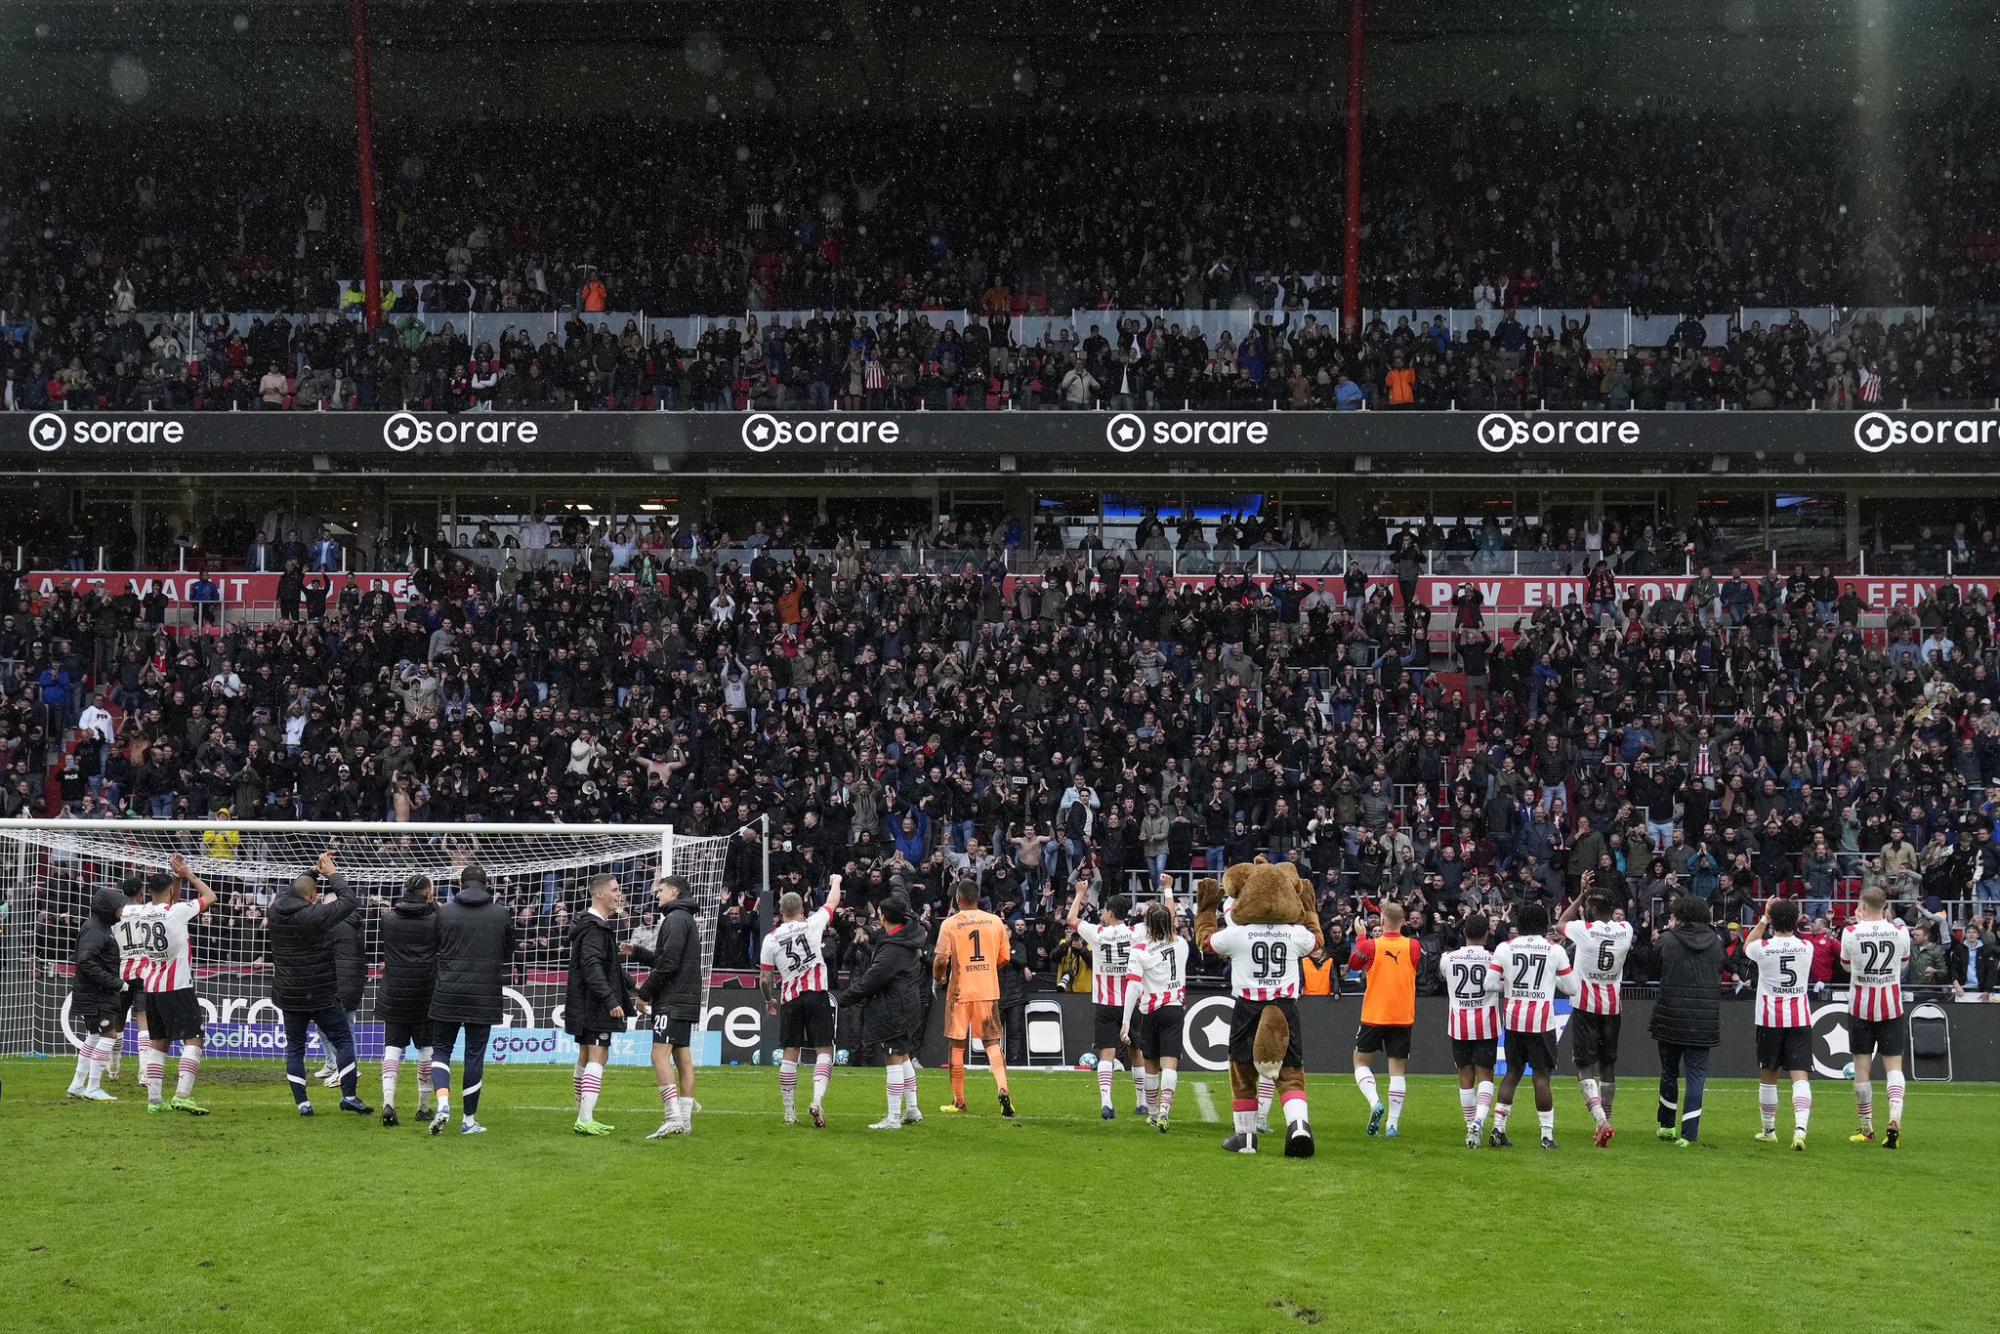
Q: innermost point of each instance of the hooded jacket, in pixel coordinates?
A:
(674, 985)
(409, 962)
(475, 944)
(302, 965)
(1689, 1011)
(892, 988)
(97, 987)
(597, 982)
(350, 963)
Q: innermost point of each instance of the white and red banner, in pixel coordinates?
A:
(234, 588)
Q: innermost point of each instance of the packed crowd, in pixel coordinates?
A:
(1493, 209)
(1294, 361)
(1079, 724)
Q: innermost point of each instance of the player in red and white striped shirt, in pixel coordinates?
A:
(132, 972)
(1601, 943)
(1875, 949)
(1472, 1020)
(1784, 1019)
(159, 931)
(1533, 969)
(795, 970)
(1158, 991)
(1110, 941)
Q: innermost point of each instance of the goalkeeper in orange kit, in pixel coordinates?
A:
(972, 947)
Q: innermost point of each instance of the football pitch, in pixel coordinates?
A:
(251, 1219)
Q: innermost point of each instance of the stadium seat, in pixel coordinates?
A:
(1930, 1044)
(1045, 1033)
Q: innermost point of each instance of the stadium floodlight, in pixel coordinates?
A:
(50, 868)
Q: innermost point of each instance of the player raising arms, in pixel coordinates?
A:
(1472, 1021)
(1158, 990)
(1110, 941)
(131, 972)
(1784, 1019)
(159, 930)
(970, 951)
(1532, 970)
(793, 977)
(1875, 949)
(403, 997)
(1601, 945)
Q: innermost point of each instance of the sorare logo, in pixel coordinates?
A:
(50, 431)
(1127, 432)
(763, 431)
(1877, 431)
(1499, 432)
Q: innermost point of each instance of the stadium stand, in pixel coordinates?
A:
(1090, 714)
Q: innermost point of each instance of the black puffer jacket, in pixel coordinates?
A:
(597, 981)
(302, 966)
(674, 986)
(892, 989)
(475, 943)
(409, 962)
(1689, 1011)
(98, 988)
(350, 963)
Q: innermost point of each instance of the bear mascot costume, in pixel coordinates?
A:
(1268, 923)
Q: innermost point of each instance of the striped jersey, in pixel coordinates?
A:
(1472, 993)
(792, 950)
(1263, 959)
(131, 963)
(1160, 972)
(1110, 957)
(1532, 970)
(1784, 970)
(1600, 948)
(1875, 953)
(159, 932)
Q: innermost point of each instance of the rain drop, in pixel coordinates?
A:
(742, 152)
(703, 52)
(241, 23)
(129, 81)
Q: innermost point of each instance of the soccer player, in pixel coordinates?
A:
(97, 999)
(475, 943)
(1600, 945)
(793, 976)
(303, 982)
(1784, 1018)
(1687, 1018)
(159, 930)
(673, 992)
(970, 950)
(891, 993)
(132, 973)
(1110, 941)
(1472, 1021)
(1388, 1011)
(403, 1000)
(1158, 990)
(1264, 974)
(350, 967)
(1875, 948)
(597, 996)
(1533, 969)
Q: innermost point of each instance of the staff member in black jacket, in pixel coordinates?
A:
(97, 996)
(304, 980)
(350, 968)
(1687, 1020)
(894, 988)
(598, 996)
(403, 1000)
(673, 992)
(475, 943)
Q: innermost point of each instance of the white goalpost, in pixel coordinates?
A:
(50, 868)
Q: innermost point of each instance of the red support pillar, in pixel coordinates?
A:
(1350, 282)
(364, 145)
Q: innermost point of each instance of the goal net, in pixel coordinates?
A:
(50, 868)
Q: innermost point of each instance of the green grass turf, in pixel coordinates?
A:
(253, 1220)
